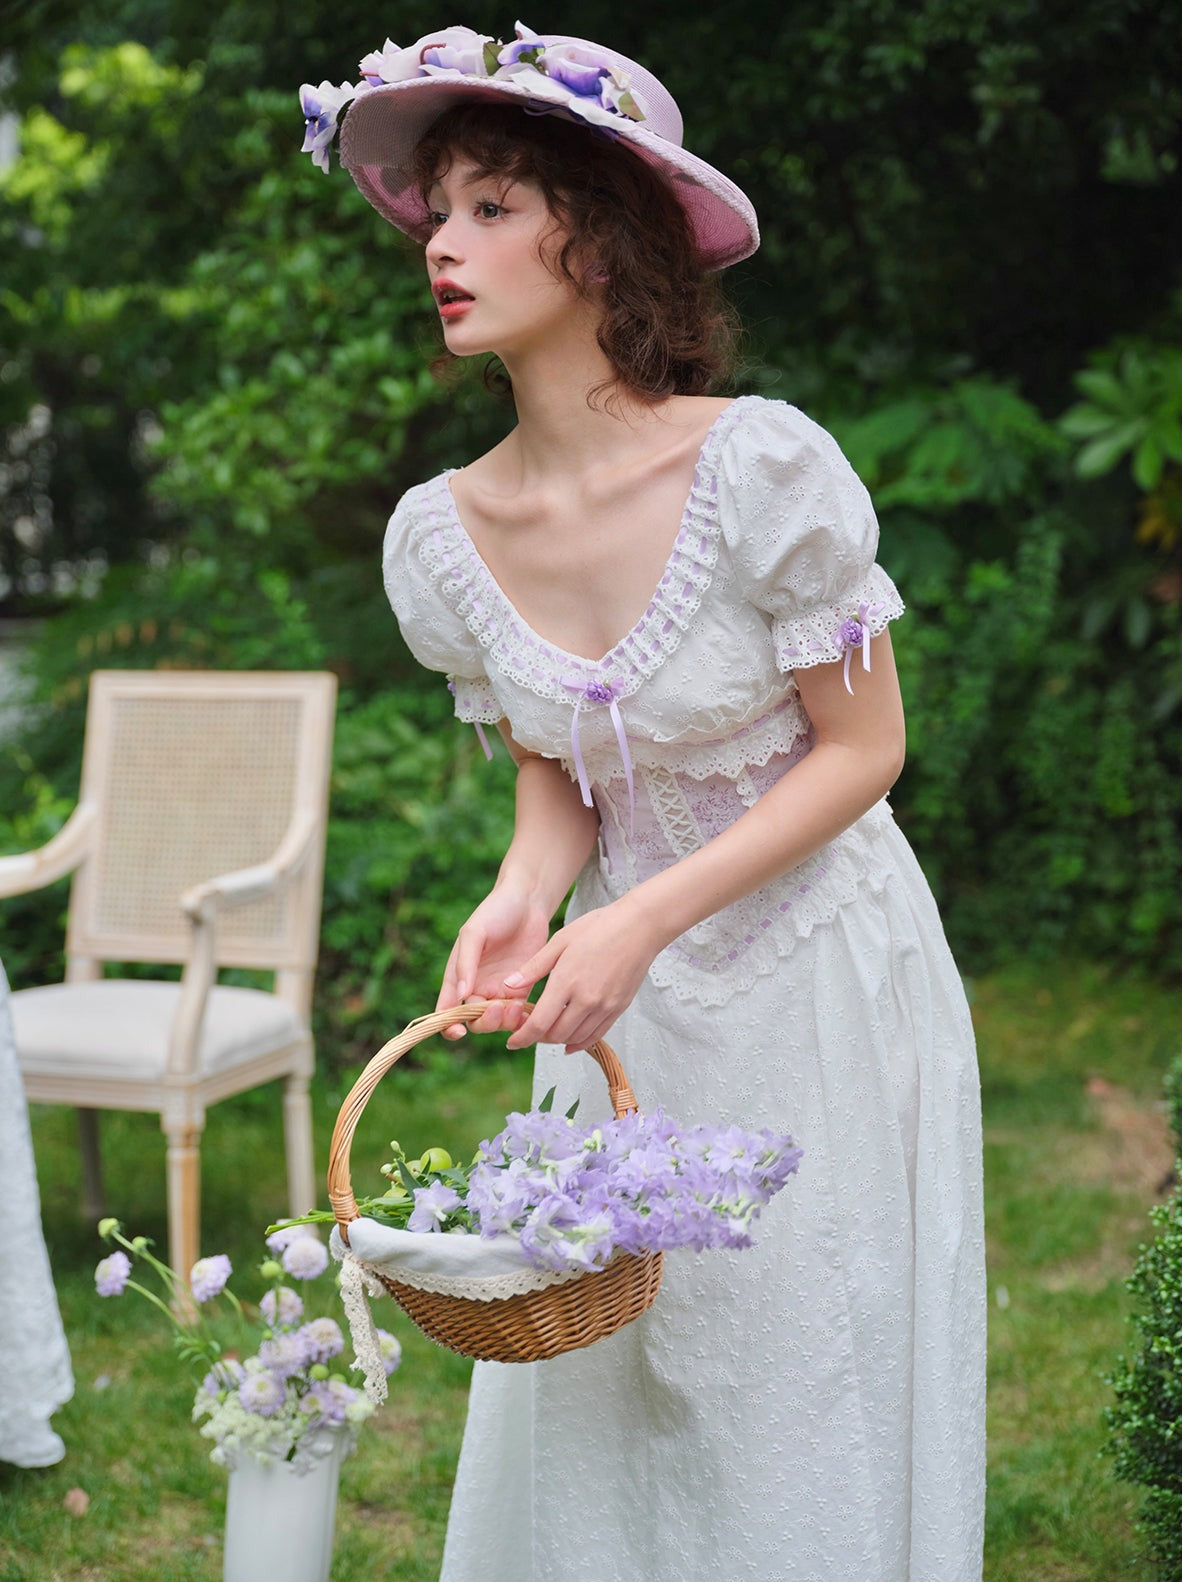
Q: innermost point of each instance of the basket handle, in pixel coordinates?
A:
(340, 1188)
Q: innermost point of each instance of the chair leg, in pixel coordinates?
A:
(94, 1199)
(297, 1136)
(184, 1197)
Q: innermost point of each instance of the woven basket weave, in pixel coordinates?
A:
(535, 1324)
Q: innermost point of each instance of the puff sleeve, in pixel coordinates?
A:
(802, 537)
(432, 629)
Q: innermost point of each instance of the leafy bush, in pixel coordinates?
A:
(1145, 1426)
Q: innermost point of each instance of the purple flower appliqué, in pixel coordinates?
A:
(854, 632)
(208, 1277)
(112, 1275)
(849, 633)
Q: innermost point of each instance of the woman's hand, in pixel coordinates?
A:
(595, 966)
(506, 929)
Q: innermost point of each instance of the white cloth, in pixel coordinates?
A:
(811, 1410)
(34, 1360)
(478, 1268)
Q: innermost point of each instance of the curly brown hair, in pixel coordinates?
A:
(666, 328)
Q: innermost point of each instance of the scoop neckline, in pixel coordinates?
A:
(703, 465)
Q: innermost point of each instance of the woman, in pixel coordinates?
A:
(34, 1358)
(668, 604)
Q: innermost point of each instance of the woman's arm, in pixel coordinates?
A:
(597, 963)
(553, 835)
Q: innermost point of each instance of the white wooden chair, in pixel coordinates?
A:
(198, 839)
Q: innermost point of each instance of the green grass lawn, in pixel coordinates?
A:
(1076, 1150)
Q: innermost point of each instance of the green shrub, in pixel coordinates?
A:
(1145, 1425)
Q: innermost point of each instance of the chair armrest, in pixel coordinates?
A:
(32, 870)
(244, 885)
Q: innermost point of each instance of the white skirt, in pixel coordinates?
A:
(811, 1409)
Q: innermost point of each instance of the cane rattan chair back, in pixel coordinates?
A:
(198, 840)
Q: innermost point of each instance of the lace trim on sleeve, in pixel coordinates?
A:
(816, 636)
(476, 701)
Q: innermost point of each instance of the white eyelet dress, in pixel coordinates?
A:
(811, 1409)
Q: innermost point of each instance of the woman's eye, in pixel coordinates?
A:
(489, 211)
(435, 219)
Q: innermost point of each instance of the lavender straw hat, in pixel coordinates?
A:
(404, 90)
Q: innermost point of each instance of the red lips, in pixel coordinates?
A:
(452, 298)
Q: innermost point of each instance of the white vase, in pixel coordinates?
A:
(279, 1523)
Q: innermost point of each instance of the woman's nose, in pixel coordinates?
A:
(443, 244)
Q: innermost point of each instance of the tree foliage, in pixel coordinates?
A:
(212, 372)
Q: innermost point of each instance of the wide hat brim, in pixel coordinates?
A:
(385, 124)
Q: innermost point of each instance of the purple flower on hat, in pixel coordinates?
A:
(321, 106)
(456, 49)
(527, 46)
(576, 68)
(389, 64)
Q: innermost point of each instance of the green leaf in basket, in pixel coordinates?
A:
(408, 1180)
(570, 1114)
(547, 1103)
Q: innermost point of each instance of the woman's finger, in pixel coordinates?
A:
(538, 965)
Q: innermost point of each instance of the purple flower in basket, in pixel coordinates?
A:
(432, 1206)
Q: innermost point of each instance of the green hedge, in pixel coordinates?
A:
(1145, 1425)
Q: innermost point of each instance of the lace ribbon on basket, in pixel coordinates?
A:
(356, 1280)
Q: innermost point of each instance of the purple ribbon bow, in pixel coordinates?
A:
(855, 633)
(599, 692)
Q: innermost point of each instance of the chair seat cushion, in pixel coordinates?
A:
(120, 1027)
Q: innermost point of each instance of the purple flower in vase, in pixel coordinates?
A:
(112, 1274)
(281, 1307)
(283, 1355)
(262, 1394)
(208, 1277)
(320, 1339)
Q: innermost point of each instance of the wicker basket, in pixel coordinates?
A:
(524, 1328)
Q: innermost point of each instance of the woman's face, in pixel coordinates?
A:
(490, 261)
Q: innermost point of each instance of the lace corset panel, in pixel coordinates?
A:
(772, 570)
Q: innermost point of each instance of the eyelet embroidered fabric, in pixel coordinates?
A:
(812, 1408)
